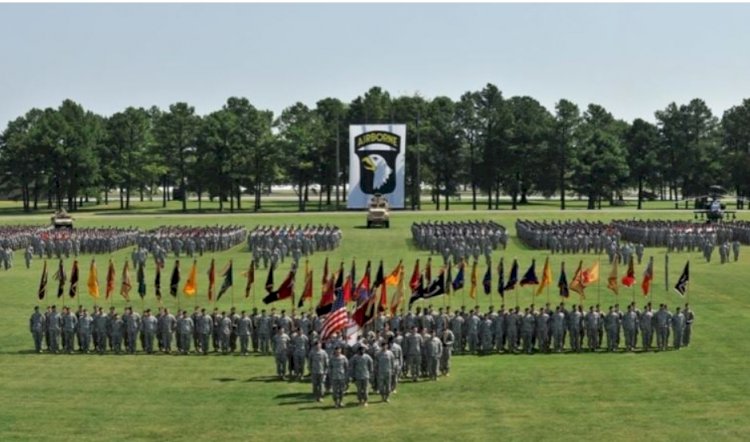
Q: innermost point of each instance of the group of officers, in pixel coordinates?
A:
(271, 244)
(188, 240)
(459, 240)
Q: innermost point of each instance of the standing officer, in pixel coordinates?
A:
(281, 350)
(361, 370)
(414, 353)
(678, 325)
(205, 326)
(244, 330)
(84, 331)
(385, 367)
(318, 369)
(54, 323)
(70, 323)
(37, 328)
(689, 318)
(148, 330)
(339, 371)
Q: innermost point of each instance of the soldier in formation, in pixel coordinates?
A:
(459, 240)
(271, 244)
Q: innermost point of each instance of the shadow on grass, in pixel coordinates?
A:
(224, 379)
(264, 379)
(327, 407)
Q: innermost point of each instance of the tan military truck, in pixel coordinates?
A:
(61, 220)
(377, 212)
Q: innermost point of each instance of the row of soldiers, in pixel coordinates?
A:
(459, 240)
(271, 244)
(82, 331)
(18, 237)
(190, 240)
(569, 236)
(679, 236)
(66, 242)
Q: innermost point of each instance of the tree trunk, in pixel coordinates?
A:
(239, 198)
(164, 191)
(128, 185)
(640, 192)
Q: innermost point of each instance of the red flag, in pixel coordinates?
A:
(326, 301)
(362, 292)
(648, 275)
(250, 274)
(284, 291)
(307, 292)
(414, 281)
(629, 279)
(325, 273)
(110, 280)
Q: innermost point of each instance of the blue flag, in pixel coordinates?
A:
(529, 278)
(487, 280)
(513, 278)
(458, 283)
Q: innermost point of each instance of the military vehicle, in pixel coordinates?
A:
(377, 212)
(61, 220)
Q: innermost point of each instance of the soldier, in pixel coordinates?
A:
(131, 323)
(85, 324)
(414, 353)
(512, 330)
(735, 250)
(339, 373)
(29, 255)
(678, 325)
(613, 329)
(264, 332)
(445, 360)
(457, 324)
(542, 330)
(148, 330)
(386, 365)
(558, 329)
(216, 332)
(281, 351)
(528, 324)
(37, 328)
(434, 354)
(630, 327)
(168, 325)
(499, 326)
(318, 370)
(255, 317)
(185, 326)
(689, 318)
(54, 324)
(300, 348)
(398, 361)
(226, 332)
(662, 319)
(361, 369)
(205, 327)
(115, 329)
(101, 326)
(196, 317)
(646, 324)
(244, 330)
(70, 323)
(472, 331)
(235, 318)
(592, 328)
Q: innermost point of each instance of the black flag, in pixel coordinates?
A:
(682, 283)
(175, 281)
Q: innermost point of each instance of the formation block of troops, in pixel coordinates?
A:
(568, 236)
(188, 240)
(19, 237)
(64, 243)
(271, 244)
(459, 240)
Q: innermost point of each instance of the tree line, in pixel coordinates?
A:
(484, 142)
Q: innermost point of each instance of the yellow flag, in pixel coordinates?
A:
(473, 289)
(399, 295)
(612, 281)
(392, 278)
(191, 285)
(126, 284)
(546, 277)
(93, 283)
(591, 275)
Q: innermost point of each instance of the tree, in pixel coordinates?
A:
(567, 119)
(300, 139)
(600, 165)
(411, 110)
(495, 120)
(332, 114)
(469, 124)
(23, 163)
(444, 152)
(214, 157)
(128, 137)
(736, 136)
(642, 140)
(176, 132)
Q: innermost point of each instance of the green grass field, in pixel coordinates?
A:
(698, 393)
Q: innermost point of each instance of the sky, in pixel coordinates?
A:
(633, 59)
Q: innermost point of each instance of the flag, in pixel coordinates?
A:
(473, 287)
(211, 280)
(348, 284)
(43, 282)
(191, 285)
(562, 282)
(250, 275)
(399, 295)
(141, 281)
(325, 273)
(487, 280)
(682, 284)
(392, 278)
(417, 293)
(576, 284)
(285, 290)
(228, 280)
(337, 320)
(307, 292)
(648, 275)
(174, 282)
(501, 278)
(458, 282)
(74, 280)
(513, 277)
(157, 280)
(436, 287)
(414, 280)
(126, 284)
(61, 277)
(428, 270)
(380, 283)
(449, 278)
(362, 292)
(93, 282)
(110, 280)
(629, 279)
(546, 277)
(612, 280)
(529, 278)
(591, 275)
(269, 279)
(325, 305)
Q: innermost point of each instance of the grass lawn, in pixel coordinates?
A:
(698, 393)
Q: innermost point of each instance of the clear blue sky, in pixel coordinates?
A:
(633, 59)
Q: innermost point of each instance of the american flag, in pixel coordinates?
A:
(337, 319)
